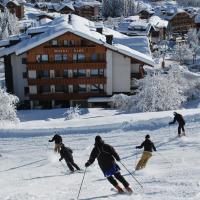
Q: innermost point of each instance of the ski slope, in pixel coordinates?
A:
(29, 169)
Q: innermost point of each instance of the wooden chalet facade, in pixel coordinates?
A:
(180, 23)
(69, 68)
(17, 9)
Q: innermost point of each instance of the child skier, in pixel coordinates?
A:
(179, 118)
(66, 153)
(58, 141)
(148, 147)
(106, 156)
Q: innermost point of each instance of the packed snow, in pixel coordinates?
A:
(30, 170)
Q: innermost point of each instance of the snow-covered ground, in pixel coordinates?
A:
(29, 169)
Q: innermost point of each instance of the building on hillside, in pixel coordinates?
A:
(146, 13)
(70, 61)
(88, 9)
(180, 21)
(65, 8)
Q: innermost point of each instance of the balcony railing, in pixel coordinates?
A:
(66, 96)
(67, 81)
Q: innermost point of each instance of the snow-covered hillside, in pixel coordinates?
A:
(29, 169)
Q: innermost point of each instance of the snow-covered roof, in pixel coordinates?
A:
(135, 28)
(60, 6)
(11, 1)
(78, 26)
(138, 43)
(158, 22)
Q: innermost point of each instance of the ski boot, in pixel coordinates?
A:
(119, 189)
(129, 190)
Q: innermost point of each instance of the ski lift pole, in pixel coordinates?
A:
(132, 175)
(81, 183)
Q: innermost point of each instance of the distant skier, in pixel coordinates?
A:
(66, 153)
(106, 156)
(58, 141)
(148, 148)
(179, 118)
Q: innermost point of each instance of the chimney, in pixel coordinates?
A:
(109, 39)
(99, 30)
(69, 19)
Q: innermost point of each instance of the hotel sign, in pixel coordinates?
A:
(70, 50)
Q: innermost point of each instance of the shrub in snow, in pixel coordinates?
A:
(120, 101)
(8, 107)
(72, 113)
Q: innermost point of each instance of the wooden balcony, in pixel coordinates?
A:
(66, 65)
(67, 81)
(65, 96)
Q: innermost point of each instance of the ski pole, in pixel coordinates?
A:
(81, 183)
(132, 175)
(164, 158)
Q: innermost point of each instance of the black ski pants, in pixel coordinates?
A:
(181, 126)
(71, 164)
(120, 178)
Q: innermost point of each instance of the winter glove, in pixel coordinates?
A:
(136, 147)
(60, 159)
(49, 140)
(87, 164)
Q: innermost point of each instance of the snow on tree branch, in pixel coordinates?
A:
(8, 107)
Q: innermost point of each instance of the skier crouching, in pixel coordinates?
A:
(66, 153)
(106, 156)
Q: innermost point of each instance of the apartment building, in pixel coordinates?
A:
(70, 61)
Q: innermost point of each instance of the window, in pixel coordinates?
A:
(97, 72)
(57, 73)
(97, 88)
(24, 60)
(78, 57)
(64, 57)
(58, 57)
(59, 88)
(45, 73)
(94, 57)
(94, 72)
(44, 57)
(26, 90)
(81, 88)
(75, 73)
(24, 74)
(69, 43)
(54, 42)
(44, 89)
(75, 88)
(81, 73)
(65, 73)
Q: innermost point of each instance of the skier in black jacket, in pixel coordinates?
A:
(106, 156)
(58, 141)
(148, 148)
(179, 118)
(66, 153)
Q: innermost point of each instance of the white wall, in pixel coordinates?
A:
(18, 81)
(121, 72)
(108, 74)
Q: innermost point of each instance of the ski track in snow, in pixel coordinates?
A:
(29, 170)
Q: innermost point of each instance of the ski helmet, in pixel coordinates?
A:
(147, 136)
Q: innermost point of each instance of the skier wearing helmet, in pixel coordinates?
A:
(148, 148)
(179, 118)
